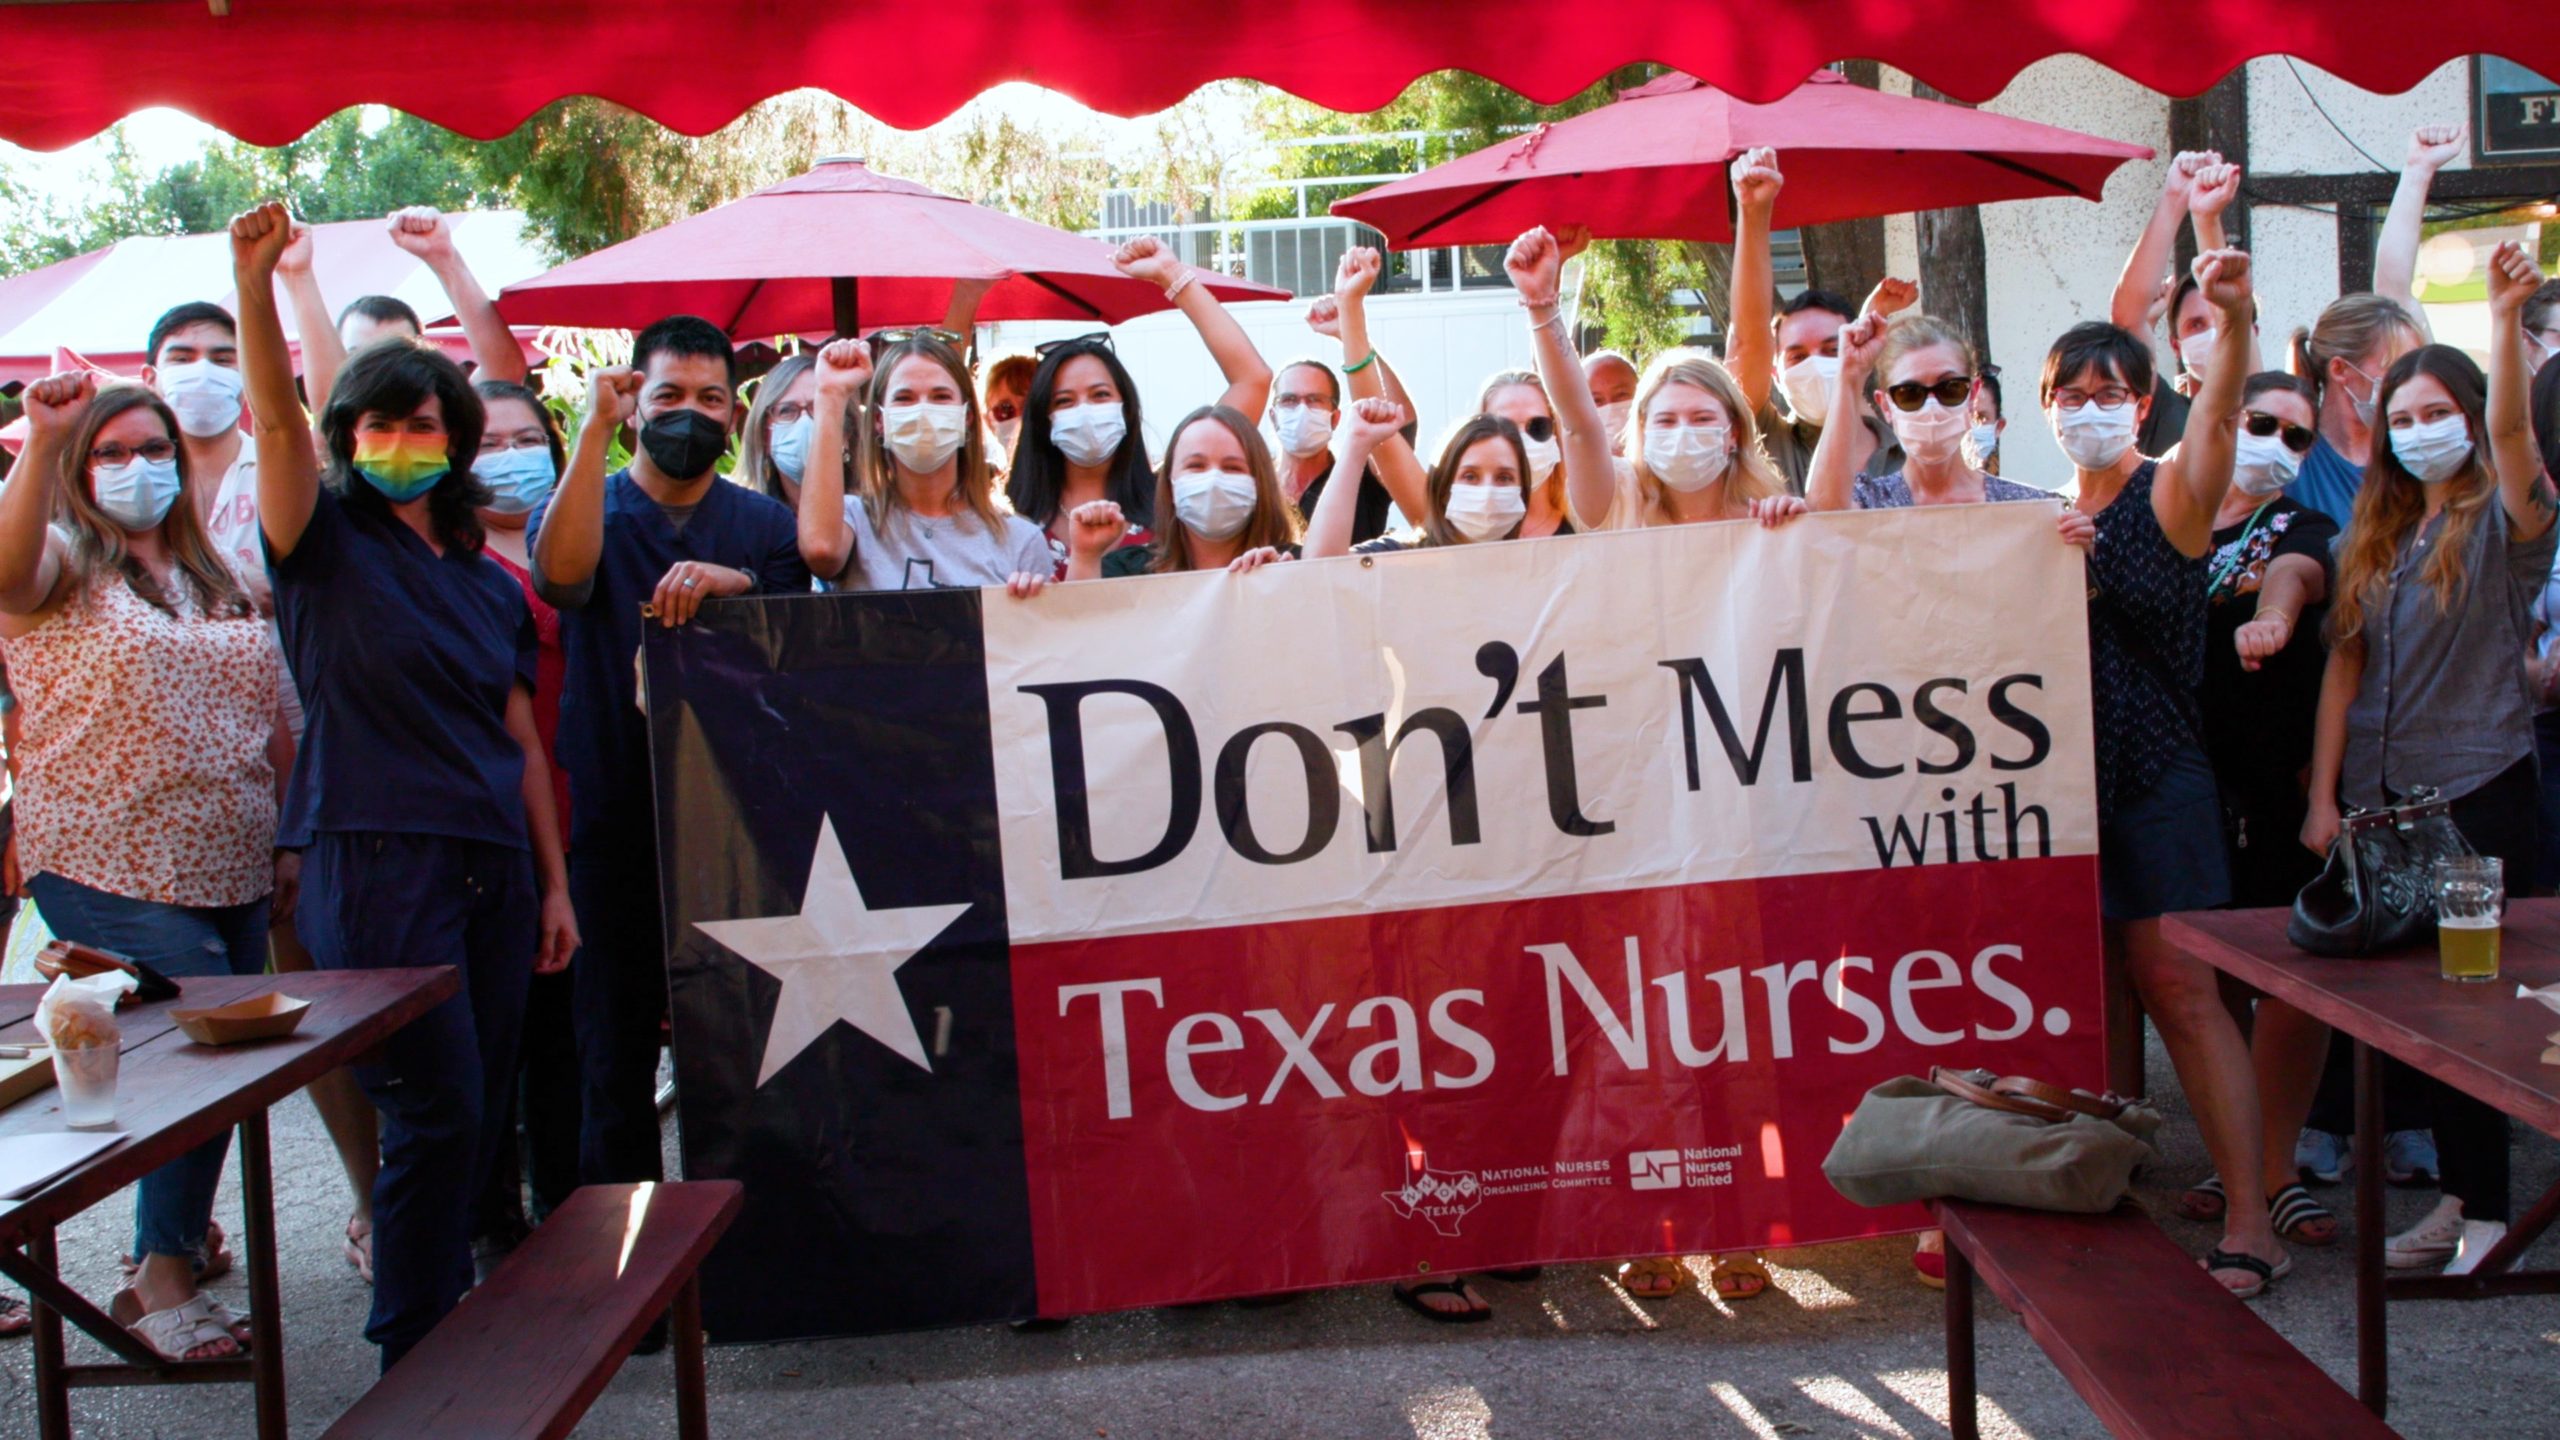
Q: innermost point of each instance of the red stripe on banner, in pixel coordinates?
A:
(1241, 1111)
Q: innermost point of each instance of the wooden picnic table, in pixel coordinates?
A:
(2478, 1038)
(171, 1096)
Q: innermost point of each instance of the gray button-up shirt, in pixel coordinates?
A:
(2445, 700)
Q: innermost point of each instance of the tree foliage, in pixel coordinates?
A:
(1627, 285)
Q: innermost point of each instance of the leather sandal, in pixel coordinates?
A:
(1659, 1278)
(173, 1332)
(1738, 1276)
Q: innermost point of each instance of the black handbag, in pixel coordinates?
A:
(2377, 892)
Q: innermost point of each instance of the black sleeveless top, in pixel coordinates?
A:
(2146, 644)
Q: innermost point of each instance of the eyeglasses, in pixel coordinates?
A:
(1951, 392)
(154, 451)
(2261, 424)
(2107, 399)
(790, 412)
(1099, 339)
(881, 340)
(1003, 410)
(1300, 402)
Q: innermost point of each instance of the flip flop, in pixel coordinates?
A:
(1411, 1297)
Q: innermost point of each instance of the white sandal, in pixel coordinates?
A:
(171, 1333)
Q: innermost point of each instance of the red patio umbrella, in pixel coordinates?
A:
(838, 251)
(1653, 166)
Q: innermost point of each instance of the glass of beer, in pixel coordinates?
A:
(2471, 893)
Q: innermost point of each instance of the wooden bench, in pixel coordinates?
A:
(526, 1353)
(2155, 1345)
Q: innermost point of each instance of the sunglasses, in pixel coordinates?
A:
(1951, 392)
(881, 340)
(1539, 428)
(1099, 339)
(2259, 423)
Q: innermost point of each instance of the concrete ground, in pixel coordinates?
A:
(1848, 1344)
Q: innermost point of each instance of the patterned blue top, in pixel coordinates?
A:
(2146, 644)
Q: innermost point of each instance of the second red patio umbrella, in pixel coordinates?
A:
(1652, 166)
(839, 250)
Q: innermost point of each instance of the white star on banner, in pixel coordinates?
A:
(837, 959)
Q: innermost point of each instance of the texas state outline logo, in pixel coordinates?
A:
(1440, 1197)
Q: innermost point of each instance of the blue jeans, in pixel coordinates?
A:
(175, 1202)
(373, 901)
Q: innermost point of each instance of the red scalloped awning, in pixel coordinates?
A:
(270, 69)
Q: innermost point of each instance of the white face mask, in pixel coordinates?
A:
(2435, 451)
(1687, 457)
(1982, 442)
(1932, 432)
(1008, 433)
(1543, 457)
(2197, 350)
(2261, 466)
(1213, 504)
(790, 447)
(206, 396)
(138, 493)
(1614, 416)
(1304, 431)
(1808, 384)
(923, 436)
(1485, 512)
(2095, 436)
(1088, 434)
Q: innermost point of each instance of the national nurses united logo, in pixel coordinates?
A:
(1440, 1197)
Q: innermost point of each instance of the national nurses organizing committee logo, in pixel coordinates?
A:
(1441, 1197)
(1653, 1170)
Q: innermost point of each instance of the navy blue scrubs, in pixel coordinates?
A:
(407, 800)
(604, 745)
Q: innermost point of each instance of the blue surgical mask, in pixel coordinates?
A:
(517, 479)
(790, 447)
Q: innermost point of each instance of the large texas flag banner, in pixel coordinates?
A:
(1175, 938)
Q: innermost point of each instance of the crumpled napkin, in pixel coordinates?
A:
(82, 1011)
(2549, 998)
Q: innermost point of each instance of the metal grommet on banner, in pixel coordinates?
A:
(648, 612)
(1368, 562)
(1422, 1267)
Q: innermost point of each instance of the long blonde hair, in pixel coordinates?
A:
(97, 541)
(2392, 503)
(1750, 477)
(877, 469)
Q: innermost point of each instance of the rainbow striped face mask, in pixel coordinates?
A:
(403, 467)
